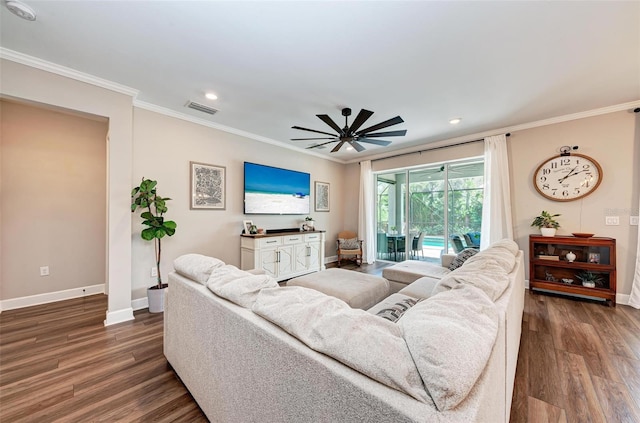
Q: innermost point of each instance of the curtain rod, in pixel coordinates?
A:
(433, 148)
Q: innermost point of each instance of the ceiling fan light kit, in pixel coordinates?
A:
(352, 135)
(21, 10)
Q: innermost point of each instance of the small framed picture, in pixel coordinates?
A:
(322, 196)
(208, 186)
(594, 258)
(247, 224)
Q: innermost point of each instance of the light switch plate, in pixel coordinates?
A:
(612, 220)
(633, 220)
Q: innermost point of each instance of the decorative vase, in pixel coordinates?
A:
(548, 231)
(570, 257)
(589, 284)
(155, 297)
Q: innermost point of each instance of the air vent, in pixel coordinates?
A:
(201, 108)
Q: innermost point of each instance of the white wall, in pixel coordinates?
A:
(53, 200)
(163, 148)
(29, 83)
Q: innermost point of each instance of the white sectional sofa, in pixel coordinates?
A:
(251, 351)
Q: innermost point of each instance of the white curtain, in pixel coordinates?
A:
(366, 213)
(634, 300)
(496, 207)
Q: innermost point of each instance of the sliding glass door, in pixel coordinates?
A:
(425, 212)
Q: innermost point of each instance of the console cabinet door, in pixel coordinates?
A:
(285, 260)
(269, 261)
(300, 252)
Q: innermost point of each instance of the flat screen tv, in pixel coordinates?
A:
(271, 190)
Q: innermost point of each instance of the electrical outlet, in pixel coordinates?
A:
(154, 272)
(44, 271)
(612, 220)
(633, 220)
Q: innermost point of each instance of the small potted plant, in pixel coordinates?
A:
(590, 279)
(146, 198)
(547, 223)
(309, 224)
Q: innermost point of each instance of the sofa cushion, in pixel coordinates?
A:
(394, 306)
(503, 252)
(450, 337)
(411, 270)
(486, 275)
(422, 288)
(461, 257)
(360, 340)
(196, 266)
(242, 289)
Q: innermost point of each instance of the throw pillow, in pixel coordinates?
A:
(358, 339)
(196, 266)
(462, 257)
(397, 310)
(349, 243)
(450, 337)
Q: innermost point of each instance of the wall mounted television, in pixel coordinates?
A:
(272, 190)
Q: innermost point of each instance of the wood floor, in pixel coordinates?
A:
(579, 362)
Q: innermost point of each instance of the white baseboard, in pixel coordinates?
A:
(140, 303)
(119, 316)
(51, 297)
(623, 299)
(330, 259)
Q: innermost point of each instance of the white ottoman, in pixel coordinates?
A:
(357, 289)
(404, 273)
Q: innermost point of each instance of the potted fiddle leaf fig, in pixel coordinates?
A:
(146, 198)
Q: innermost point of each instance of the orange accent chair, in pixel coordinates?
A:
(349, 245)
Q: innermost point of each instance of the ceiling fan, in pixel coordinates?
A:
(350, 134)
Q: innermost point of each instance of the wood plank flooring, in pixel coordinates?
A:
(579, 362)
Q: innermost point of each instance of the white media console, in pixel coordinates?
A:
(283, 255)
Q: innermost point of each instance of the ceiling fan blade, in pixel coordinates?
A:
(305, 139)
(337, 147)
(360, 119)
(326, 119)
(357, 146)
(320, 145)
(313, 130)
(401, 133)
(393, 121)
(376, 142)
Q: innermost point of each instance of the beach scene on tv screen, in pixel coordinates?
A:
(271, 190)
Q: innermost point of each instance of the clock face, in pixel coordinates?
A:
(567, 178)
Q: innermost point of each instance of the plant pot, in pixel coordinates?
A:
(589, 284)
(548, 231)
(155, 297)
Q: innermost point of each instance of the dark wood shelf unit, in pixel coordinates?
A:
(595, 254)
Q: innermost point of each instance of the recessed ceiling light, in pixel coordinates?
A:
(455, 121)
(21, 10)
(211, 96)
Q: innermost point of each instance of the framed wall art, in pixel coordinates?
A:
(247, 224)
(322, 196)
(208, 189)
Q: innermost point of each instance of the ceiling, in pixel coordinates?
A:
(276, 64)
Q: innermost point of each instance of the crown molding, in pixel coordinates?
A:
(507, 129)
(34, 62)
(172, 113)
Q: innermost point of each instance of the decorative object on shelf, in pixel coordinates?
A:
(308, 224)
(208, 186)
(594, 258)
(547, 223)
(570, 257)
(322, 196)
(581, 234)
(567, 177)
(253, 229)
(246, 225)
(549, 277)
(567, 281)
(146, 197)
(590, 279)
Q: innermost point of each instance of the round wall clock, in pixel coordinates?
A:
(567, 177)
